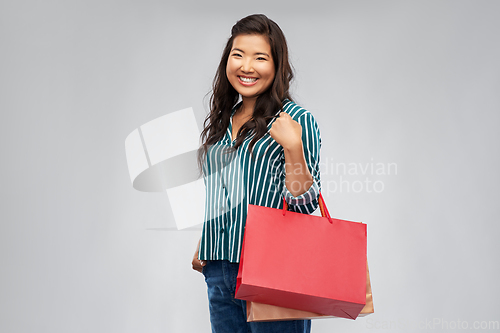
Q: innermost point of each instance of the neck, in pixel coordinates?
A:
(247, 106)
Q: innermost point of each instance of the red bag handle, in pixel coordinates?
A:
(322, 207)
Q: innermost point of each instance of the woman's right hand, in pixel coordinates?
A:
(197, 263)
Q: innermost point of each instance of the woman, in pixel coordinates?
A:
(254, 152)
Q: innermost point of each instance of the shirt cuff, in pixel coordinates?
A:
(305, 198)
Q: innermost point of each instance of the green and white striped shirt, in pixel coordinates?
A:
(234, 179)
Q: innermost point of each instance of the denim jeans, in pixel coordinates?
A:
(228, 315)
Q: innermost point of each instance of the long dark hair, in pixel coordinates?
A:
(224, 97)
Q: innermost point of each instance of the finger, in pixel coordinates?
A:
(198, 265)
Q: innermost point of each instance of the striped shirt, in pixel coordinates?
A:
(234, 178)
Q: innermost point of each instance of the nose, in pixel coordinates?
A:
(247, 66)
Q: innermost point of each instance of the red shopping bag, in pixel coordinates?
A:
(265, 312)
(303, 262)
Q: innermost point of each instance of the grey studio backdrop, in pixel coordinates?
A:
(407, 97)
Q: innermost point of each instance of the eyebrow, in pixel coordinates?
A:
(258, 53)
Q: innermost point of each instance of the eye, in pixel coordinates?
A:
(236, 55)
(260, 58)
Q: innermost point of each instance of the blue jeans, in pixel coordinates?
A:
(228, 315)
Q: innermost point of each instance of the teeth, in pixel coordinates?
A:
(248, 79)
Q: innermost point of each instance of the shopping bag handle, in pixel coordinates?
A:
(322, 207)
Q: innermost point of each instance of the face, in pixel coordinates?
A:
(250, 67)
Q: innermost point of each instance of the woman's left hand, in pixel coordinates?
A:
(286, 131)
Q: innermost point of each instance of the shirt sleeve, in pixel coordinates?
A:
(307, 202)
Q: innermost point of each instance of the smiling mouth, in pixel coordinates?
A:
(247, 79)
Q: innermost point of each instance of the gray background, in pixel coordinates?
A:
(415, 83)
